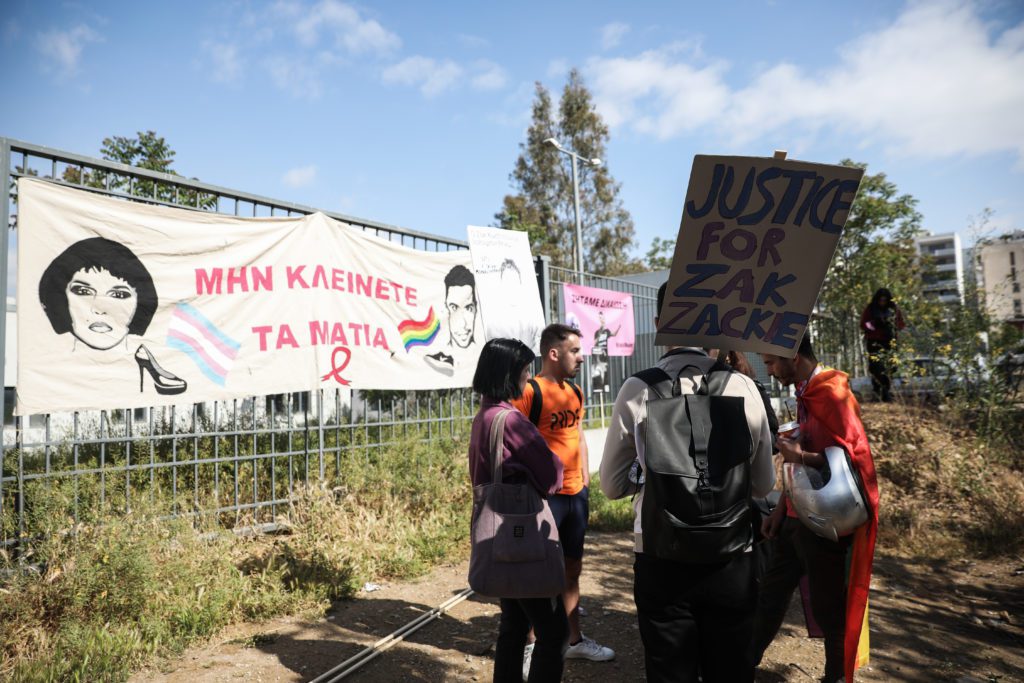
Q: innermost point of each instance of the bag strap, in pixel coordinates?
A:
(655, 376)
(498, 443)
(576, 390)
(699, 412)
(652, 377)
(537, 404)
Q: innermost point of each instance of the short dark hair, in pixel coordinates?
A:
(497, 371)
(554, 334)
(806, 350)
(459, 276)
(661, 297)
(90, 254)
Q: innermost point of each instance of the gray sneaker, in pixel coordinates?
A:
(527, 658)
(589, 649)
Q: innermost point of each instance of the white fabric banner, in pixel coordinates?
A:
(124, 305)
(509, 298)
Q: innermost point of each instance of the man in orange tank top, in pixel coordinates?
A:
(555, 404)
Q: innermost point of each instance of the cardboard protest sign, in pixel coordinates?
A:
(755, 241)
(124, 305)
(506, 285)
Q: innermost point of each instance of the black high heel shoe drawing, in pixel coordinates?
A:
(164, 382)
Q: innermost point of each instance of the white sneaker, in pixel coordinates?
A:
(527, 658)
(589, 649)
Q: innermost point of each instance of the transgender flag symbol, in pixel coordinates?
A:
(213, 351)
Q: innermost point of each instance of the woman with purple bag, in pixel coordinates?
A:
(503, 369)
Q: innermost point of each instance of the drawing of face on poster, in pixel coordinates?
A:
(100, 292)
(460, 303)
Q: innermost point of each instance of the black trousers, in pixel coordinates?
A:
(695, 620)
(550, 625)
(799, 551)
(879, 364)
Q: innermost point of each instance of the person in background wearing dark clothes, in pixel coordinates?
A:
(738, 361)
(501, 374)
(881, 322)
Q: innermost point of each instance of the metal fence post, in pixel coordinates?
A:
(542, 267)
(5, 217)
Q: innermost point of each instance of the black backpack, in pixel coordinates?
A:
(696, 506)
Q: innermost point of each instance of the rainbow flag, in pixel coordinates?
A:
(194, 335)
(419, 333)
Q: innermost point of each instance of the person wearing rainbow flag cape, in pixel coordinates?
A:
(839, 573)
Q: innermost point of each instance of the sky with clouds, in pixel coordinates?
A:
(412, 113)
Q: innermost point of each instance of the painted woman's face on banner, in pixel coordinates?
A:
(101, 307)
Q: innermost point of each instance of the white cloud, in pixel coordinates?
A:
(295, 76)
(224, 60)
(612, 34)
(489, 76)
(937, 82)
(63, 49)
(299, 177)
(344, 24)
(656, 94)
(431, 76)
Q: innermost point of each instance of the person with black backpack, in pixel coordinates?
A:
(689, 439)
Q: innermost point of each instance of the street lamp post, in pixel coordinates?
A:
(575, 200)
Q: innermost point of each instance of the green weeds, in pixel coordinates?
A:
(109, 597)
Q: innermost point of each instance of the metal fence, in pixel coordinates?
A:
(620, 367)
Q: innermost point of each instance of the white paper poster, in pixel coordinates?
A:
(123, 305)
(509, 297)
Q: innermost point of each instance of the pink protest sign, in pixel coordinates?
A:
(604, 319)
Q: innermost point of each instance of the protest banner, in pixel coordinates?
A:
(605, 321)
(124, 305)
(755, 241)
(507, 285)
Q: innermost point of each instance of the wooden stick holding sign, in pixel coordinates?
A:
(755, 241)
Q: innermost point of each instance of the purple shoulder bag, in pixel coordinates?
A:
(516, 552)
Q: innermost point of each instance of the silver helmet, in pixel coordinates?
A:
(829, 501)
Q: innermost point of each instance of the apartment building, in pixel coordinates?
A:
(1002, 273)
(946, 282)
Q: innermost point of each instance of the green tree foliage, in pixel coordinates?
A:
(543, 203)
(659, 256)
(875, 250)
(146, 150)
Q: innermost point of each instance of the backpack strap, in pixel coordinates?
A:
(576, 390)
(652, 377)
(537, 404)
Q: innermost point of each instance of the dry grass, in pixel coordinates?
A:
(944, 493)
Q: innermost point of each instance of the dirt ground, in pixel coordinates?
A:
(935, 621)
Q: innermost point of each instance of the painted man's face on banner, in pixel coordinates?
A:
(461, 304)
(101, 307)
